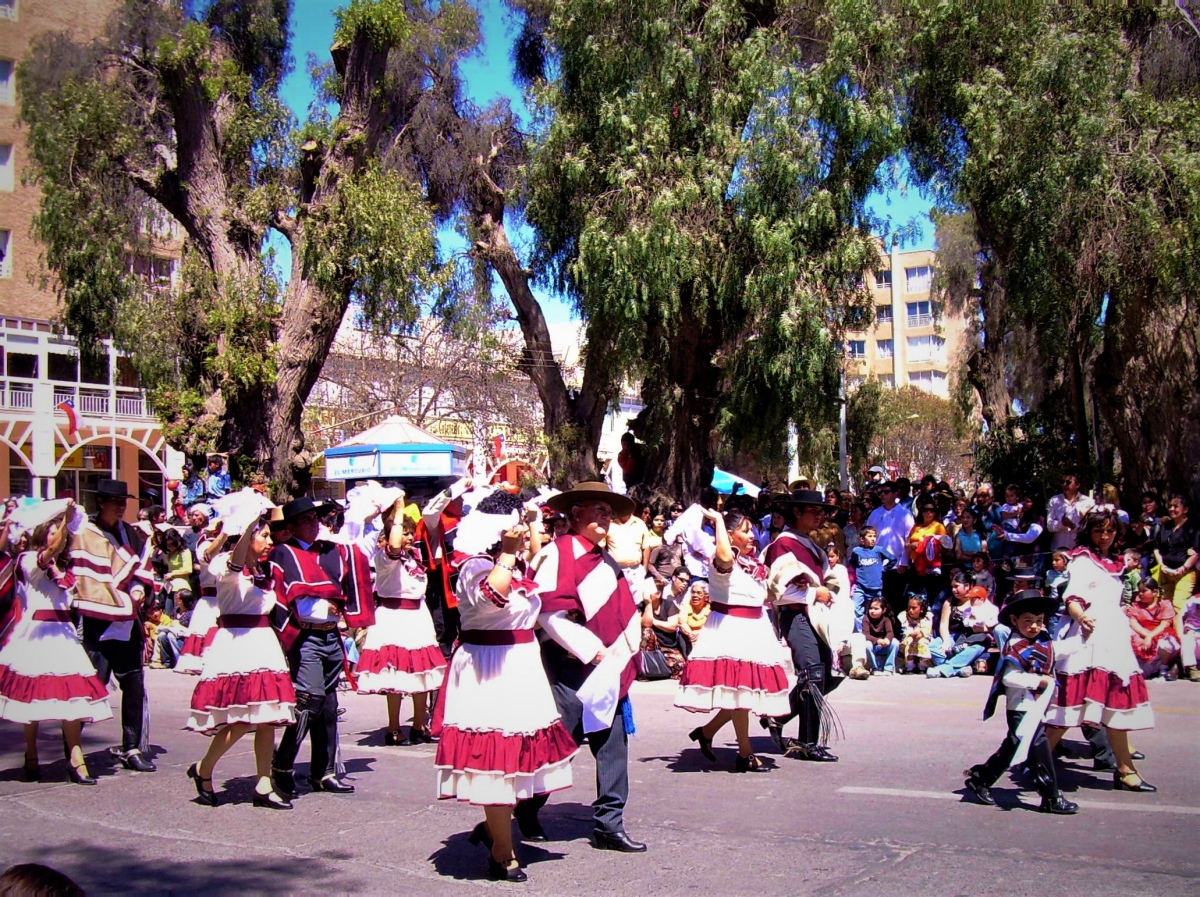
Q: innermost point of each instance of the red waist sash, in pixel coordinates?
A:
(243, 621)
(52, 616)
(493, 637)
(398, 603)
(737, 610)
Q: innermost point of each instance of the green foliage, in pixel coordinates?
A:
(382, 22)
(376, 243)
(1032, 450)
(699, 189)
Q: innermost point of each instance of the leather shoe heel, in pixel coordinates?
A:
(285, 782)
(697, 735)
(1142, 786)
(75, 777)
(206, 795)
(331, 784)
(982, 792)
(480, 835)
(271, 801)
(749, 764)
(510, 871)
(135, 761)
(1058, 806)
(776, 732)
(33, 772)
(618, 841)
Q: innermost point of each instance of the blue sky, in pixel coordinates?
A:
(488, 75)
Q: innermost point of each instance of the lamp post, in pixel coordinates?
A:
(843, 470)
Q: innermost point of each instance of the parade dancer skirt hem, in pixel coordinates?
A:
(393, 668)
(261, 697)
(497, 769)
(272, 713)
(70, 698)
(394, 682)
(191, 652)
(728, 684)
(1100, 698)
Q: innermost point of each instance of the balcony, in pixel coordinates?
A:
(101, 402)
(920, 320)
(17, 395)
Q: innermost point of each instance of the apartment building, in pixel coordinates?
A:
(910, 341)
(63, 424)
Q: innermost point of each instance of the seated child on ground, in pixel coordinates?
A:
(916, 628)
(1152, 619)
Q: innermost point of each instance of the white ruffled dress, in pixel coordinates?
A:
(245, 677)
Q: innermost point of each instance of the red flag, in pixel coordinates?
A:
(68, 408)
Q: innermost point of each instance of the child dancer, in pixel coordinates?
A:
(1024, 673)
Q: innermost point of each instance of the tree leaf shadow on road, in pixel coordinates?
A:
(122, 870)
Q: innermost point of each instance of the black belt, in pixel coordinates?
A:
(317, 627)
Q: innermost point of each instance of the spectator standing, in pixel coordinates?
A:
(631, 460)
(869, 562)
(893, 522)
(1175, 552)
(218, 477)
(626, 538)
(191, 487)
(926, 541)
(1065, 512)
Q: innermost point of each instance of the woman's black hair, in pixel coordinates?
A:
(499, 502)
(1092, 522)
(962, 577)
(734, 518)
(923, 601)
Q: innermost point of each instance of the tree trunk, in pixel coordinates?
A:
(985, 363)
(572, 423)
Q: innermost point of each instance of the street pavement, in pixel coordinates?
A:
(890, 818)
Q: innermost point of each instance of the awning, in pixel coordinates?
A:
(395, 448)
(724, 482)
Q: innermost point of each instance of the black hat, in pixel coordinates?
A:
(303, 505)
(109, 489)
(805, 497)
(1027, 601)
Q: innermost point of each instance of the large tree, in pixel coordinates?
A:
(1070, 135)
(697, 187)
(176, 108)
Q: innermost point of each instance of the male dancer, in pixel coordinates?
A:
(591, 635)
(318, 582)
(799, 576)
(111, 579)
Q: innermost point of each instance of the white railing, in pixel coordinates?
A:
(20, 395)
(131, 404)
(92, 401)
(920, 320)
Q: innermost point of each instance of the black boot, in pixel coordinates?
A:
(526, 814)
(978, 787)
(1058, 805)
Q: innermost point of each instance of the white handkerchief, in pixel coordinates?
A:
(118, 632)
(600, 694)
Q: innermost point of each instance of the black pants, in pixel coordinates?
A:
(812, 660)
(609, 746)
(1041, 761)
(122, 659)
(895, 590)
(315, 662)
(445, 618)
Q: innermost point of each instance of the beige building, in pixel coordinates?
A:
(910, 342)
(115, 433)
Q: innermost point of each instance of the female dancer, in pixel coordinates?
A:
(401, 655)
(45, 675)
(502, 740)
(245, 684)
(1100, 682)
(737, 664)
(203, 628)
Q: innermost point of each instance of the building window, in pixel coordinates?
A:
(920, 314)
(6, 167)
(8, 10)
(6, 253)
(918, 280)
(887, 380)
(884, 348)
(22, 365)
(858, 348)
(7, 94)
(883, 280)
(883, 315)
(927, 379)
(62, 368)
(926, 348)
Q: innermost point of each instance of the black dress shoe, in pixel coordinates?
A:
(78, 778)
(393, 739)
(135, 761)
(1121, 783)
(33, 772)
(1059, 806)
(271, 801)
(982, 792)
(529, 826)
(1103, 766)
(812, 753)
(697, 735)
(1137, 755)
(618, 841)
(284, 781)
(206, 795)
(510, 871)
(480, 835)
(330, 783)
(748, 764)
(776, 732)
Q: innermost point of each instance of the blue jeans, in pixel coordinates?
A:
(862, 597)
(168, 648)
(883, 657)
(1002, 634)
(949, 666)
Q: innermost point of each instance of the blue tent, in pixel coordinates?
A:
(724, 482)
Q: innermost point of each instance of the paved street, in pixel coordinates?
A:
(887, 819)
